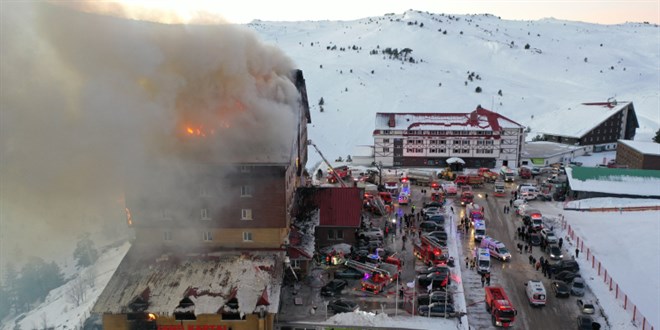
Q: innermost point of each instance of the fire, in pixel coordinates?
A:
(199, 131)
(129, 218)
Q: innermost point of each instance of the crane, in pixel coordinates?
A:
(340, 180)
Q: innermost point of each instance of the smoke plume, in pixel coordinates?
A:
(86, 98)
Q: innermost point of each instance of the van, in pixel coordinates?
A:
(479, 229)
(535, 293)
(483, 261)
(495, 248)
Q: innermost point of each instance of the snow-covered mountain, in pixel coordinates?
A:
(524, 69)
(539, 66)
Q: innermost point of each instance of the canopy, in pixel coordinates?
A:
(453, 160)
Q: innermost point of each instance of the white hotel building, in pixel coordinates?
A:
(481, 138)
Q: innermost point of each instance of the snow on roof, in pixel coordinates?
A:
(579, 120)
(306, 228)
(647, 148)
(615, 181)
(210, 280)
(478, 120)
(545, 149)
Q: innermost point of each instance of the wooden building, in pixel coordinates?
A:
(638, 154)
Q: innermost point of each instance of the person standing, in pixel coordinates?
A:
(561, 242)
(483, 280)
(487, 276)
(577, 253)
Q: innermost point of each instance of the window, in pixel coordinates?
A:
(340, 234)
(247, 236)
(386, 149)
(331, 234)
(246, 169)
(295, 264)
(386, 140)
(167, 236)
(205, 214)
(207, 236)
(465, 151)
(456, 151)
(167, 214)
(466, 142)
(246, 214)
(246, 191)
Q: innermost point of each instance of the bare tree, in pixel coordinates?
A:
(89, 277)
(76, 293)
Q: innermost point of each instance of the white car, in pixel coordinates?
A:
(518, 203)
(549, 236)
(371, 233)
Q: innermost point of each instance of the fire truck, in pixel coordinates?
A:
(507, 174)
(429, 251)
(499, 306)
(499, 188)
(525, 173)
(377, 277)
(487, 174)
(474, 211)
(342, 171)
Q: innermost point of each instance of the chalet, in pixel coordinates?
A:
(481, 138)
(211, 223)
(590, 182)
(598, 125)
(638, 154)
(340, 213)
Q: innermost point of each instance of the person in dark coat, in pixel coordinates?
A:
(530, 257)
(577, 253)
(561, 242)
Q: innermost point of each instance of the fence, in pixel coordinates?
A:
(621, 297)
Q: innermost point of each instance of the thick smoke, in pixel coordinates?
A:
(86, 98)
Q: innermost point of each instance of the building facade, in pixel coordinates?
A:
(211, 230)
(481, 138)
(639, 155)
(598, 125)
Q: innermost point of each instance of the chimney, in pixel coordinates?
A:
(392, 121)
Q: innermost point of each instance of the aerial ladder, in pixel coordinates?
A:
(339, 179)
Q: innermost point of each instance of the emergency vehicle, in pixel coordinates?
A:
(483, 260)
(474, 212)
(499, 307)
(499, 189)
(467, 197)
(377, 277)
(479, 229)
(429, 251)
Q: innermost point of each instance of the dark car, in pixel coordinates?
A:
(369, 245)
(566, 276)
(585, 322)
(342, 306)
(435, 269)
(570, 265)
(360, 255)
(560, 289)
(429, 226)
(333, 288)
(437, 218)
(439, 234)
(437, 280)
(436, 309)
(349, 273)
(535, 239)
(435, 297)
(554, 252)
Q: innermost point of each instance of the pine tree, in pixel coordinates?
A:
(85, 252)
(656, 138)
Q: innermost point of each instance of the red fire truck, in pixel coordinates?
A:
(487, 174)
(342, 171)
(377, 277)
(525, 172)
(499, 306)
(429, 251)
(467, 197)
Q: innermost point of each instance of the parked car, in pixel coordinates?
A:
(371, 233)
(562, 265)
(435, 297)
(427, 206)
(439, 234)
(437, 218)
(432, 209)
(349, 273)
(554, 252)
(549, 236)
(438, 279)
(578, 287)
(567, 276)
(333, 288)
(585, 322)
(560, 289)
(429, 226)
(436, 309)
(586, 307)
(342, 306)
(434, 269)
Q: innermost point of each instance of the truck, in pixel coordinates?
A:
(525, 172)
(499, 189)
(450, 189)
(461, 180)
(377, 277)
(429, 251)
(447, 174)
(499, 307)
(487, 174)
(421, 177)
(475, 180)
(507, 174)
(474, 212)
(342, 171)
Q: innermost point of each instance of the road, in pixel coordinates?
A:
(559, 313)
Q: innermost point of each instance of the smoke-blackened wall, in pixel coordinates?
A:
(88, 98)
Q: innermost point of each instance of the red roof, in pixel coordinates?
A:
(295, 252)
(340, 207)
